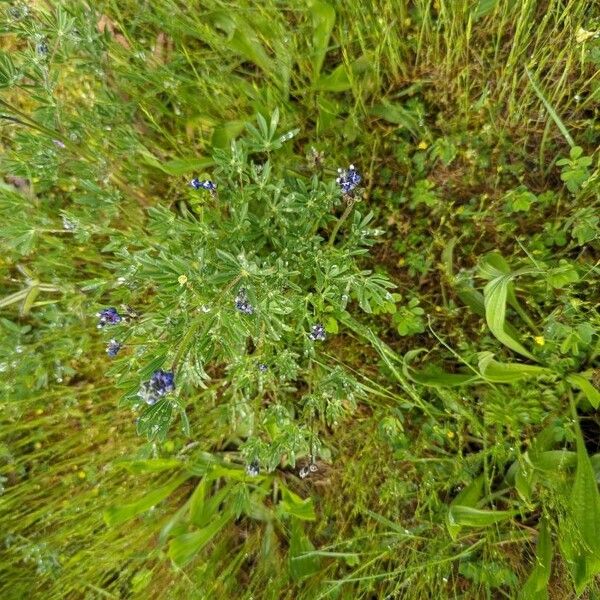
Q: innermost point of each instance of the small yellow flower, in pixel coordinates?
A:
(450, 434)
(438, 309)
(37, 445)
(39, 411)
(539, 340)
(422, 145)
(81, 475)
(182, 279)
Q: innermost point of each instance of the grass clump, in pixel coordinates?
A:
(386, 390)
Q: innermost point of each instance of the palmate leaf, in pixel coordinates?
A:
(495, 295)
(154, 422)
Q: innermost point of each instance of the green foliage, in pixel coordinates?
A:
(575, 170)
(454, 466)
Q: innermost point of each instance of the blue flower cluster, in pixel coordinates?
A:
(113, 347)
(42, 48)
(204, 185)
(108, 316)
(253, 469)
(348, 179)
(242, 304)
(160, 384)
(317, 333)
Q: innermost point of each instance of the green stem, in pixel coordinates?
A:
(344, 216)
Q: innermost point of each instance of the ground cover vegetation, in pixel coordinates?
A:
(299, 299)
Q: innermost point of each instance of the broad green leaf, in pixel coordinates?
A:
(585, 513)
(495, 295)
(331, 326)
(524, 480)
(398, 115)
(115, 515)
(291, 504)
(225, 132)
(323, 18)
(434, 378)
(536, 586)
(177, 166)
(500, 372)
(204, 509)
(197, 501)
(176, 523)
(586, 387)
(303, 561)
(246, 43)
(183, 548)
(336, 81)
(493, 265)
(467, 516)
(469, 496)
(553, 460)
(483, 7)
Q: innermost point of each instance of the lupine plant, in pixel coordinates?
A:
(238, 300)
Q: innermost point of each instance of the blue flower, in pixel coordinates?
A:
(253, 469)
(262, 367)
(317, 333)
(113, 347)
(160, 384)
(163, 382)
(204, 185)
(242, 304)
(108, 316)
(348, 179)
(42, 48)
